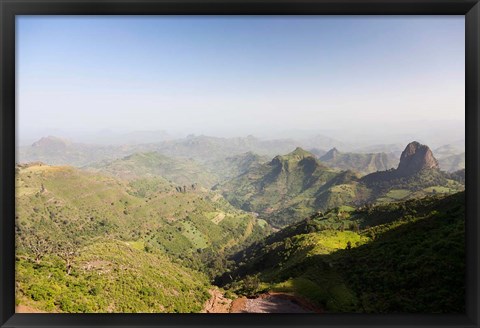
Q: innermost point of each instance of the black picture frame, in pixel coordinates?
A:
(10, 8)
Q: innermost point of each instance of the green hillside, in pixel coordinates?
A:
(110, 276)
(285, 186)
(295, 185)
(146, 234)
(74, 211)
(397, 257)
(390, 186)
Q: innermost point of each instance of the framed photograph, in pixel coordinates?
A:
(246, 163)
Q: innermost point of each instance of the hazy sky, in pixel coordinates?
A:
(236, 75)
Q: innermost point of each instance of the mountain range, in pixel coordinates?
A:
(210, 150)
(167, 227)
(293, 186)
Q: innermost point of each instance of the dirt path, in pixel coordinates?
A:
(217, 303)
(273, 303)
(27, 309)
(266, 303)
(219, 218)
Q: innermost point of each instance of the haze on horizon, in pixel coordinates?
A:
(358, 79)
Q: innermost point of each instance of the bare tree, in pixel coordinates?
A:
(67, 250)
(38, 244)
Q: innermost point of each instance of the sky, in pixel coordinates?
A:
(238, 75)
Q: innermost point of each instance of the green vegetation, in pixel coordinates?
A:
(295, 185)
(284, 189)
(57, 225)
(387, 261)
(144, 233)
(110, 276)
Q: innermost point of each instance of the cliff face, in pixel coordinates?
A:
(416, 157)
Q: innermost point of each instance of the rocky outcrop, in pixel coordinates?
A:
(415, 158)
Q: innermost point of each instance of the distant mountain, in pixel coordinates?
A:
(450, 158)
(211, 149)
(317, 152)
(330, 155)
(382, 148)
(359, 162)
(51, 143)
(236, 165)
(182, 172)
(322, 142)
(58, 151)
(447, 150)
(135, 137)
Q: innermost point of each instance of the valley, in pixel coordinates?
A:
(245, 225)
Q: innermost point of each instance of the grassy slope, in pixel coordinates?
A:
(111, 276)
(286, 186)
(190, 227)
(398, 251)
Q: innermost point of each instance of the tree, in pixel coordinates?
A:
(67, 250)
(251, 285)
(37, 243)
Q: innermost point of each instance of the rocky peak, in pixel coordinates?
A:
(416, 157)
(330, 155)
(292, 158)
